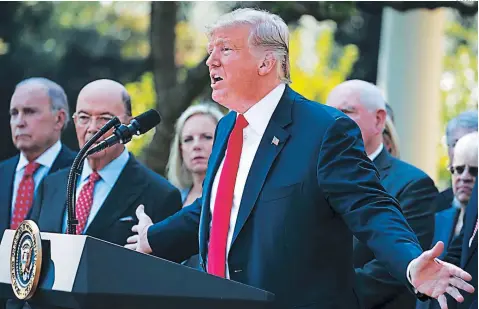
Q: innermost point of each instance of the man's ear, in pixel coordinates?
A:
(267, 64)
(381, 120)
(60, 119)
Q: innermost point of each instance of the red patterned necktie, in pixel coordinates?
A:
(224, 201)
(25, 192)
(85, 201)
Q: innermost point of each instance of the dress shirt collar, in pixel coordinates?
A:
(45, 159)
(110, 172)
(258, 115)
(376, 153)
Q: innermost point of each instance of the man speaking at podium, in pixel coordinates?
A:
(288, 184)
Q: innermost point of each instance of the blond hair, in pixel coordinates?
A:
(269, 32)
(176, 171)
(390, 131)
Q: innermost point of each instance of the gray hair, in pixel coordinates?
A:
(126, 98)
(269, 32)
(466, 120)
(58, 97)
(176, 171)
(369, 94)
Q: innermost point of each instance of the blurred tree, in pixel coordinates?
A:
(178, 82)
(459, 81)
(71, 44)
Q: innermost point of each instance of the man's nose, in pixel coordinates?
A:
(18, 120)
(212, 60)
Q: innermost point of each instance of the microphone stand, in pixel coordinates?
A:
(75, 171)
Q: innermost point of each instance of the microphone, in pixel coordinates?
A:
(123, 133)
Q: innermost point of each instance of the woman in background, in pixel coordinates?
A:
(190, 152)
(390, 138)
(191, 149)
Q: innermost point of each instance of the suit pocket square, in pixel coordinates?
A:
(126, 219)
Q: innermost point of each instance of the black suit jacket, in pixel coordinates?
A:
(136, 185)
(416, 193)
(7, 175)
(460, 254)
(444, 200)
(303, 199)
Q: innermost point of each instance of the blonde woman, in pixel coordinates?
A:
(191, 149)
(390, 138)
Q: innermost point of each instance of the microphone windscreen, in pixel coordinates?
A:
(148, 120)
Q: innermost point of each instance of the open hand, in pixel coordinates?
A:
(139, 242)
(434, 277)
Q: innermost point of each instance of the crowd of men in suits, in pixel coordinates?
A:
(113, 183)
(39, 113)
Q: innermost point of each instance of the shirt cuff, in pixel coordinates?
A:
(408, 275)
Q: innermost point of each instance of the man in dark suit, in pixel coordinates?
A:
(288, 183)
(463, 168)
(463, 252)
(414, 190)
(450, 222)
(38, 114)
(105, 205)
(457, 127)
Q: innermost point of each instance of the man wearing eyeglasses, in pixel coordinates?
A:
(38, 114)
(463, 173)
(450, 221)
(112, 182)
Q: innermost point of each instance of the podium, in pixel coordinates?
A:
(80, 271)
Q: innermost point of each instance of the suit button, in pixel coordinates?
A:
(237, 270)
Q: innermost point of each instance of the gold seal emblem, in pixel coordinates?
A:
(26, 259)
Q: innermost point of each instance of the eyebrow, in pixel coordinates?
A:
(102, 114)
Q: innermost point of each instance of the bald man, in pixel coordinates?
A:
(457, 226)
(112, 183)
(38, 115)
(415, 191)
(464, 173)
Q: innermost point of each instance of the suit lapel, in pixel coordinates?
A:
(264, 158)
(126, 190)
(54, 208)
(469, 229)
(216, 157)
(7, 177)
(383, 163)
(63, 160)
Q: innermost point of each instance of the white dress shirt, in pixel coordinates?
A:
(45, 160)
(258, 117)
(376, 153)
(109, 175)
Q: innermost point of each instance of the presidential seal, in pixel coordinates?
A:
(26, 260)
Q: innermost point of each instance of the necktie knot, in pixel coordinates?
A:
(241, 122)
(94, 177)
(31, 168)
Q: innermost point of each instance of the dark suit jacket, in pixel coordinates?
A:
(460, 254)
(302, 200)
(136, 185)
(444, 200)
(445, 224)
(7, 175)
(416, 193)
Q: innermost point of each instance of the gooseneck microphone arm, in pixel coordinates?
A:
(75, 171)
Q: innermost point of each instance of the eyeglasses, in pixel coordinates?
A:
(84, 119)
(459, 169)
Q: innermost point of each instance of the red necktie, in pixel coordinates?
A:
(25, 192)
(224, 201)
(85, 201)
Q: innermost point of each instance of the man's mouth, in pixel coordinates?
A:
(215, 78)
